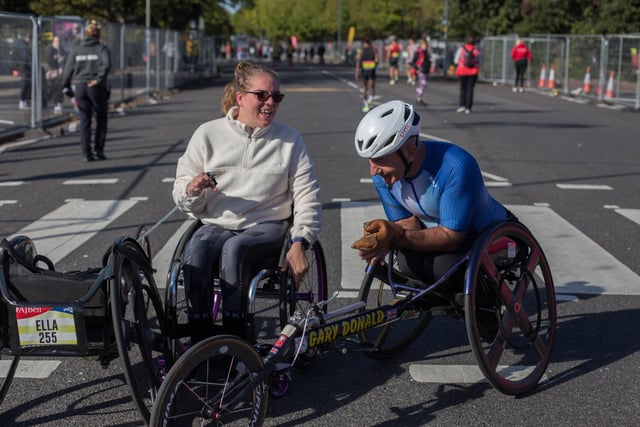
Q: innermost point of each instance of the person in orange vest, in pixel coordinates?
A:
(467, 60)
(521, 56)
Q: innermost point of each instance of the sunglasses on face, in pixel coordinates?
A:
(264, 95)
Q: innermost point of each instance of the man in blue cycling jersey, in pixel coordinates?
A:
(432, 192)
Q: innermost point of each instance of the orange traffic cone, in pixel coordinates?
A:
(552, 77)
(587, 81)
(543, 76)
(609, 93)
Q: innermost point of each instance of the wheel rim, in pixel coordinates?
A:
(511, 337)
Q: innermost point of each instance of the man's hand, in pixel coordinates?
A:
(379, 235)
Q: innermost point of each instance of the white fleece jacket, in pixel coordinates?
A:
(263, 175)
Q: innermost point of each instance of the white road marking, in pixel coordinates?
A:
(631, 214)
(30, 368)
(163, 258)
(462, 374)
(61, 231)
(11, 183)
(8, 202)
(583, 187)
(90, 181)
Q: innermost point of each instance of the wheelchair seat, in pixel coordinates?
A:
(25, 281)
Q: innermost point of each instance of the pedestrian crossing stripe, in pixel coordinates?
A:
(63, 230)
(579, 265)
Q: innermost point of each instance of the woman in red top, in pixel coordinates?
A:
(521, 56)
(468, 66)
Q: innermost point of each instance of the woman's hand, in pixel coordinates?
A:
(296, 262)
(199, 183)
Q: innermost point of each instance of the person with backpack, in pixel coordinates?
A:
(421, 63)
(468, 66)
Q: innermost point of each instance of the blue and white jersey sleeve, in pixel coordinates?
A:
(448, 191)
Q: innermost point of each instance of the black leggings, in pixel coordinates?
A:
(521, 68)
(430, 266)
(234, 257)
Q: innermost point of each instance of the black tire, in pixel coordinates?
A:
(204, 379)
(391, 338)
(139, 325)
(6, 381)
(510, 308)
(313, 287)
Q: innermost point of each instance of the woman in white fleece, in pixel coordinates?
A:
(264, 182)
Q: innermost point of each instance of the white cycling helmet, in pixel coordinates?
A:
(385, 128)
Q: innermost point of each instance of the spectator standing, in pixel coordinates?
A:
(23, 66)
(321, 52)
(411, 72)
(468, 65)
(421, 62)
(521, 56)
(88, 66)
(53, 75)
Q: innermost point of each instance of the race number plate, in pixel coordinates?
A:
(46, 326)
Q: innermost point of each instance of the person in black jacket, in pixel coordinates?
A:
(88, 66)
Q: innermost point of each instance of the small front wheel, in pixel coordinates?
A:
(392, 337)
(208, 386)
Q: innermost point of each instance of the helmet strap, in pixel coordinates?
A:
(407, 164)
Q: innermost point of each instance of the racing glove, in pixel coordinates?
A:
(379, 234)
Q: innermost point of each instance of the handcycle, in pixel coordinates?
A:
(506, 299)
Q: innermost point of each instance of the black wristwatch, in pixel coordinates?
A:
(303, 241)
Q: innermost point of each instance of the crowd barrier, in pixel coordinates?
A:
(144, 61)
(599, 67)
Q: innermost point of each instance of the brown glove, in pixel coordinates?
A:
(379, 234)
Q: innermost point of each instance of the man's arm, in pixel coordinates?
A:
(435, 239)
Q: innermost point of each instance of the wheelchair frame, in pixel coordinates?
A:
(120, 327)
(507, 276)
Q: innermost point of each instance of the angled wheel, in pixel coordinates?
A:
(510, 308)
(394, 336)
(6, 381)
(146, 242)
(139, 326)
(206, 386)
(313, 287)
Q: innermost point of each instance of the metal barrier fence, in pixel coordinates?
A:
(143, 62)
(603, 68)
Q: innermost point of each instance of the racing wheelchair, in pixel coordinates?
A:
(101, 313)
(506, 299)
(117, 312)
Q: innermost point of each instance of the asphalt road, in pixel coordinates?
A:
(570, 170)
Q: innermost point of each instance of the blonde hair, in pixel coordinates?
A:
(92, 30)
(242, 75)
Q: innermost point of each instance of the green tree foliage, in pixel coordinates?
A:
(319, 19)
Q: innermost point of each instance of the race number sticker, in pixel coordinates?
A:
(46, 326)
